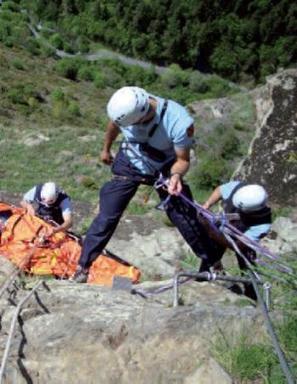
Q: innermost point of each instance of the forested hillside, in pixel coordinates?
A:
(237, 39)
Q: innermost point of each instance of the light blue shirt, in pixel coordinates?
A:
(170, 134)
(254, 232)
(65, 205)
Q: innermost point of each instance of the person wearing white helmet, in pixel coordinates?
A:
(247, 206)
(50, 203)
(249, 201)
(158, 135)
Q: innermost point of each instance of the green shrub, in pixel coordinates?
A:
(99, 80)
(135, 75)
(82, 44)
(4, 31)
(86, 73)
(69, 67)
(57, 41)
(73, 109)
(10, 5)
(58, 95)
(18, 64)
(220, 87)
(46, 51)
(112, 78)
(225, 61)
(174, 77)
(9, 42)
(6, 15)
(230, 145)
(210, 172)
(20, 94)
(15, 96)
(198, 82)
(14, 30)
(69, 47)
(239, 126)
(32, 45)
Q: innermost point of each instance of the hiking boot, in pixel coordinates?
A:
(80, 275)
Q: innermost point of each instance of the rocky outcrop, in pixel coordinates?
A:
(149, 244)
(283, 236)
(272, 157)
(88, 334)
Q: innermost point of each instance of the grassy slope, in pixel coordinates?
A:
(70, 150)
(71, 127)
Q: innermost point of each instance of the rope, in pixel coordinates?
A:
(12, 328)
(211, 218)
(146, 293)
(9, 280)
(238, 251)
(18, 270)
(281, 356)
(255, 279)
(229, 229)
(226, 228)
(188, 276)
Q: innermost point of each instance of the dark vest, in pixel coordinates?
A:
(249, 219)
(53, 212)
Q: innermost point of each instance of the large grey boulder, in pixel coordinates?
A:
(149, 244)
(272, 159)
(283, 236)
(88, 334)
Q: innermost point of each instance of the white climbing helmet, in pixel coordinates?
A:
(128, 105)
(250, 198)
(49, 192)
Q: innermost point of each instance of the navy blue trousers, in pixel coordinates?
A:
(114, 197)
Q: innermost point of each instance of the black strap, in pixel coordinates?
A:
(155, 126)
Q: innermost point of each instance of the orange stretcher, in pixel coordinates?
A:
(24, 241)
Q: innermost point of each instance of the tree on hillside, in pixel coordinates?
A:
(231, 38)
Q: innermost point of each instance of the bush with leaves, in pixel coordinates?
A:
(21, 93)
(69, 67)
(18, 64)
(174, 77)
(86, 72)
(221, 37)
(198, 82)
(210, 172)
(99, 80)
(73, 109)
(33, 46)
(56, 41)
(57, 95)
(10, 5)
